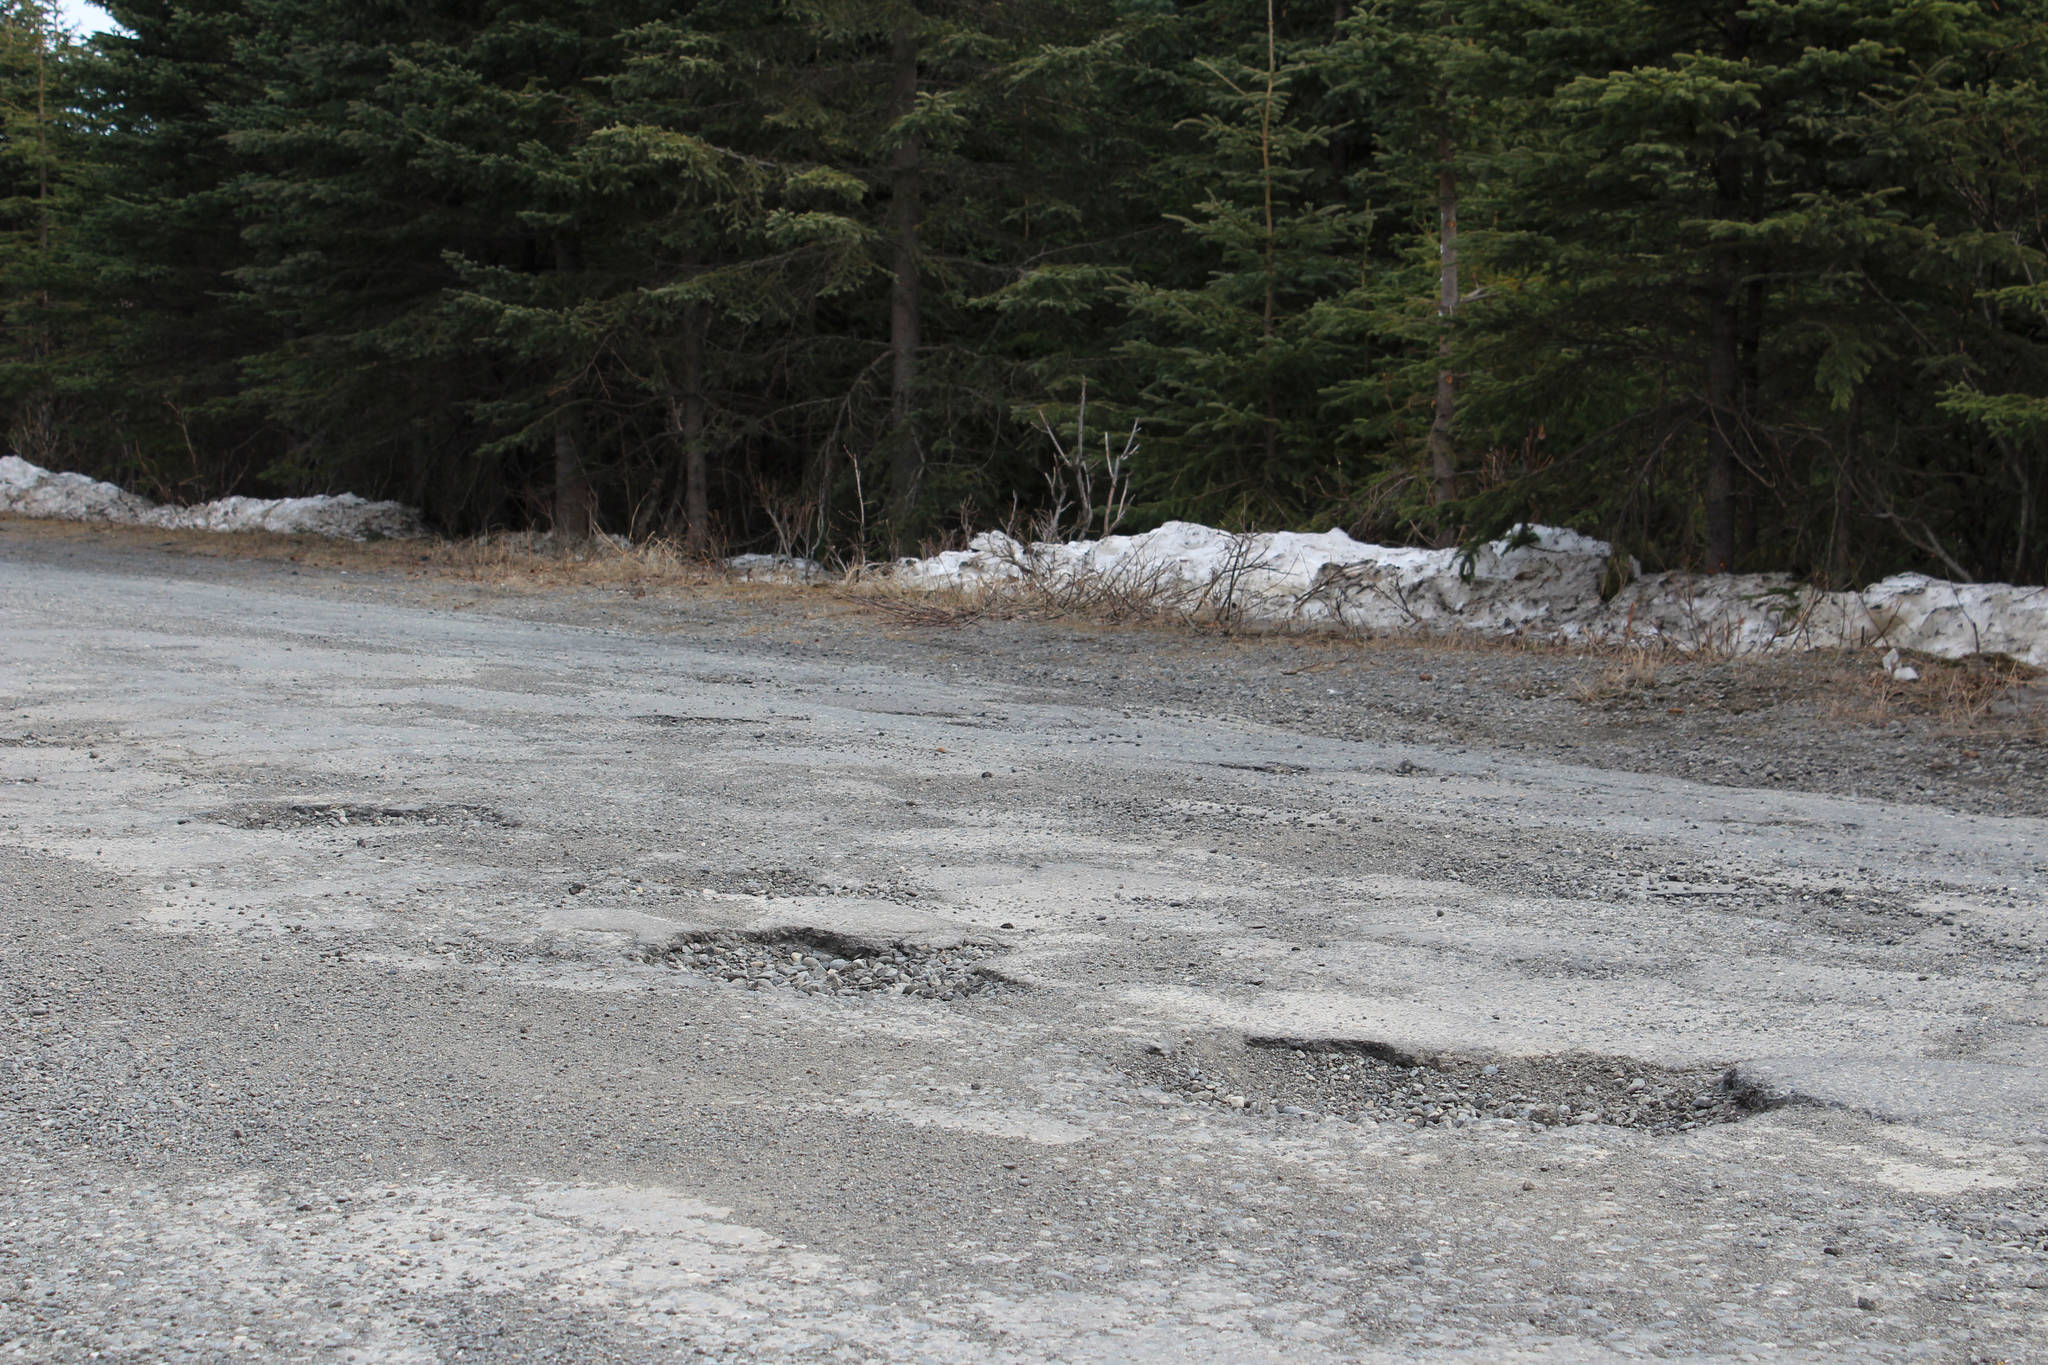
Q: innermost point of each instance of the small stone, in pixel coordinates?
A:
(1866, 1303)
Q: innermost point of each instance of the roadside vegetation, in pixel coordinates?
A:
(1735, 285)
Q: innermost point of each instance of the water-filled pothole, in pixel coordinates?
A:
(815, 962)
(352, 814)
(1362, 1081)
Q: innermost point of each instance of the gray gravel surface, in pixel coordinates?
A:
(364, 989)
(838, 968)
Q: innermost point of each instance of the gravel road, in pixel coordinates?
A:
(396, 968)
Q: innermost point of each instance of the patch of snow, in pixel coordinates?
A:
(1544, 576)
(1542, 581)
(30, 491)
(341, 516)
(1951, 620)
(1733, 613)
(759, 568)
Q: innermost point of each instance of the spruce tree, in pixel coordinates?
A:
(1707, 227)
(149, 240)
(34, 171)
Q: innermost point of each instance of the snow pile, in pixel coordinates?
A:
(30, 491)
(1545, 575)
(1542, 581)
(1733, 613)
(1542, 578)
(1950, 620)
(340, 516)
(758, 568)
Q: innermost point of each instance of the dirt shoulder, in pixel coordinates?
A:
(1969, 736)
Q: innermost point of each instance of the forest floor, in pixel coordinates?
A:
(422, 952)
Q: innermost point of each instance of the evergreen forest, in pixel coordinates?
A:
(1736, 284)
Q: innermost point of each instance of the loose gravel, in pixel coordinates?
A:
(343, 815)
(819, 968)
(1367, 1083)
(501, 1125)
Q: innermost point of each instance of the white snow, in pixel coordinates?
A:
(30, 491)
(1542, 581)
(758, 568)
(1545, 576)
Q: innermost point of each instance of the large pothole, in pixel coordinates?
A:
(1366, 1082)
(818, 963)
(354, 814)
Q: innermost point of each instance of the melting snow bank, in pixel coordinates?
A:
(1543, 581)
(30, 491)
(775, 569)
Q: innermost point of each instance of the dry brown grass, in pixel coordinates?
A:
(1958, 696)
(932, 608)
(1635, 673)
(507, 559)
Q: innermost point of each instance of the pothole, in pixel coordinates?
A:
(1366, 1082)
(818, 963)
(786, 882)
(349, 815)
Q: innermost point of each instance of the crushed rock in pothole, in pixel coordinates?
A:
(349, 815)
(821, 964)
(784, 882)
(1365, 1082)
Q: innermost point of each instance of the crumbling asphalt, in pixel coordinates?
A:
(402, 969)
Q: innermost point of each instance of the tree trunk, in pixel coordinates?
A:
(42, 140)
(1272, 437)
(906, 452)
(1726, 410)
(1841, 561)
(573, 502)
(1749, 404)
(572, 488)
(696, 467)
(1443, 456)
(1723, 416)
